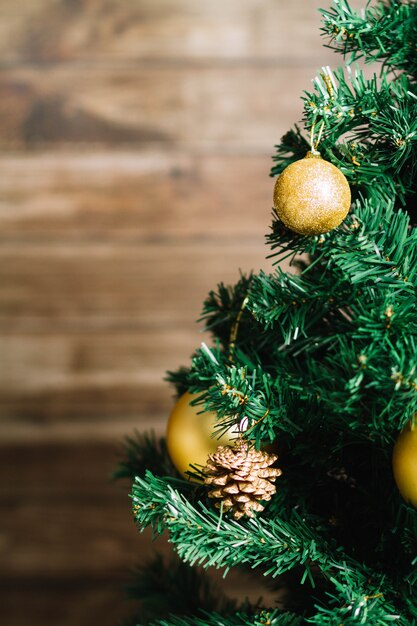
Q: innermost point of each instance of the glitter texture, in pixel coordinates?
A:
(311, 196)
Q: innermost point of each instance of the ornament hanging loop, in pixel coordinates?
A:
(314, 144)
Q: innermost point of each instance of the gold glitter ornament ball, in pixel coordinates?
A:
(189, 434)
(311, 196)
(404, 462)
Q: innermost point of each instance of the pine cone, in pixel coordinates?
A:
(240, 477)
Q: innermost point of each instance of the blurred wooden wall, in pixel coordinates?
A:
(135, 143)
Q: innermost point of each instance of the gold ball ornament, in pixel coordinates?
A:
(312, 196)
(404, 462)
(189, 434)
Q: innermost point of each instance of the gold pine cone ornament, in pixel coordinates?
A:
(240, 477)
(311, 196)
(404, 462)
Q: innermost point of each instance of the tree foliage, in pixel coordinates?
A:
(323, 363)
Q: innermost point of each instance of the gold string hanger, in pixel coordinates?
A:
(314, 145)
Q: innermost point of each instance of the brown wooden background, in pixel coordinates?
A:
(135, 143)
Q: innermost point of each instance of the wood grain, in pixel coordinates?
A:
(52, 471)
(104, 526)
(255, 29)
(67, 603)
(204, 107)
(88, 384)
(74, 602)
(110, 286)
(138, 195)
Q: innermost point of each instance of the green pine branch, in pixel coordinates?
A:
(201, 537)
(368, 129)
(221, 308)
(384, 32)
(352, 607)
(263, 618)
(244, 391)
(374, 246)
(351, 312)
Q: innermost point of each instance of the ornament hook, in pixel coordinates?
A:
(314, 144)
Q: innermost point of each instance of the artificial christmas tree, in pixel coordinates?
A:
(320, 364)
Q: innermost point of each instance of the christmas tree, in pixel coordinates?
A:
(310, 378)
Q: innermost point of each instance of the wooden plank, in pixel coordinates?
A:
(116, 286)
(76, 360)
(43, 601)
(207, 108)
(52, 471)
(95, 413)
(133, 195)
(91, 385)
(259, 29)
(50, 601)
(39, 425)
(94, 538)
